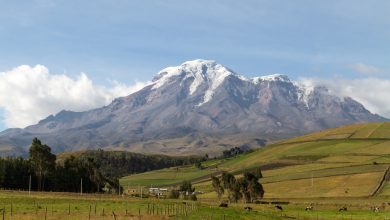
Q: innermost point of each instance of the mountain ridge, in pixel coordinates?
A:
(197, 97)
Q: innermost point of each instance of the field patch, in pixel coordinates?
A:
(336, 186)
(166, 176)
(382, 131)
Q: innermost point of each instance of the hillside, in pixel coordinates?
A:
(195, 108)
(348, 161)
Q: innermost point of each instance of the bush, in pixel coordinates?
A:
(193, 197)
(174, 194)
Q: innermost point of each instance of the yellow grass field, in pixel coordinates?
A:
(348, 161)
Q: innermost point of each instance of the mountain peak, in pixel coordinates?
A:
(272, 78)
(199, 62)
(202, 71)
(191, 67)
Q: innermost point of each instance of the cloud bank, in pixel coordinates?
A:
(29, 94)
(364, 68)
(372, 92)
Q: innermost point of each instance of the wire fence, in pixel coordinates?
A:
(179, 210)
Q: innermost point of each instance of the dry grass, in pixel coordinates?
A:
(336, 186)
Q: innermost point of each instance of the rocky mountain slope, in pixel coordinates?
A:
(191, 109)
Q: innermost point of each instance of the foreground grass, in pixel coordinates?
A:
(73, 206)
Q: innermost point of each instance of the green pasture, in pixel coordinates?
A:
(166, 176)
(61, 206)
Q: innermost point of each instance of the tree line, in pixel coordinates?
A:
(93, 170)
(41, 172)
(234, 151)
(122, 163)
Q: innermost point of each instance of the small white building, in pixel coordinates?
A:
(158, 191)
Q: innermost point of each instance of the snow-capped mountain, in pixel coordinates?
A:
(189, 108)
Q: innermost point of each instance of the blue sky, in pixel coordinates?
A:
(129, 41)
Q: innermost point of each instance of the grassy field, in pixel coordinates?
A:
(61, 206)
(348, 161)
(330, 169)
(166, 176)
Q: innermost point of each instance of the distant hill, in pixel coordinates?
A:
(195, 108)
(348, 161)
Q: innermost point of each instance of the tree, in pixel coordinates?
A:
(174, 194)
(235, 193)
(14, 173)
(243, 184)
(257, 172)
(256, 190)
(247, 187)
(230, 183)
(250, 187)
(193, 197)
(198, 165)
(42, 161)
(228, 180)
(216, 182)
(186, 188)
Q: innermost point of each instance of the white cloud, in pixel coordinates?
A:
(364, 68)
(29, 94)
(372, 92)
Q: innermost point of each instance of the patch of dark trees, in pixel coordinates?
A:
(247, 187)
(235, 151)
(41, 172)
(94, 170)
(115, 164)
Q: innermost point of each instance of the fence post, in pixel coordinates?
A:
(69, 209)
(89, 214)
(45, 212)
(4, 213)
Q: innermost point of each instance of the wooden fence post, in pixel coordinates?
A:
(113, 215)
(46, 213)
(89, 214)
